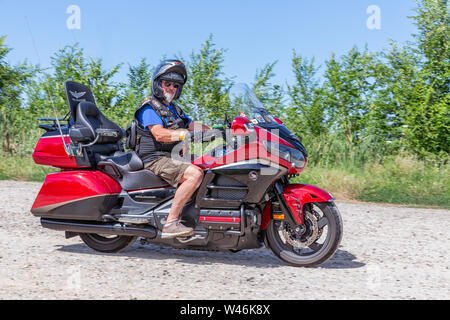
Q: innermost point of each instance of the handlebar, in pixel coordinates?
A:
(202, 136)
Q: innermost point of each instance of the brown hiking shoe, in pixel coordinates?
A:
(176, 229)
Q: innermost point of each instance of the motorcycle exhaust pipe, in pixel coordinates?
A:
(112, 229)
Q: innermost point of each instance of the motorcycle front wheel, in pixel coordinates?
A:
(311, 244)
(106, 243)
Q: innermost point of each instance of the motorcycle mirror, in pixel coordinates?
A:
(226, 122)
(277, 120)
(241, 126)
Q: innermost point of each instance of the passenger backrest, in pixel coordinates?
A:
(131, 133)
(89, 119)
(86, 118)
(76, 93)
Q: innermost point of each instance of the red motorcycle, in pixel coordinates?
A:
(104, 195)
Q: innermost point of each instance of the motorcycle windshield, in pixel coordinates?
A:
(245, 104)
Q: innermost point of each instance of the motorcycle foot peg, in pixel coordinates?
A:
(190, 238)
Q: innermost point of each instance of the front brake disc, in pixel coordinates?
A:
(311, 234)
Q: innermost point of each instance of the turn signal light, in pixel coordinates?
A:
(278, 216)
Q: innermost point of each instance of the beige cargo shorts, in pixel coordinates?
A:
(168, 169)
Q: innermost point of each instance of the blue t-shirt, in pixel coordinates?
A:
(148, 117)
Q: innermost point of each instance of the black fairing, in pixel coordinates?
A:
(232, 185)
(285, 134)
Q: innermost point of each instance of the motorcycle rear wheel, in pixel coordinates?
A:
(316, 242)
(107, 244)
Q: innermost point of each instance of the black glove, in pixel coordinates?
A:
(202, 136)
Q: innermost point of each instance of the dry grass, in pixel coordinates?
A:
(22, 169)
(398, 180)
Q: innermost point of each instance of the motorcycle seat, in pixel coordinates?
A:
(129, 170)
(125, 161)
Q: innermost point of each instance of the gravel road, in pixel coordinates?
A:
(387, 252)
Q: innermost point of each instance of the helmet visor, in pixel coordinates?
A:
(173, 76)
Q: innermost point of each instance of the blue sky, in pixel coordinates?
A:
(253, 32)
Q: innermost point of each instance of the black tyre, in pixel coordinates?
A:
(311, 244)
(105, 243)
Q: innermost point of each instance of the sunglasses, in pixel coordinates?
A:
(167, 84)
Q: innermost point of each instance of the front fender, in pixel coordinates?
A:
(307, 193)
(296, 195)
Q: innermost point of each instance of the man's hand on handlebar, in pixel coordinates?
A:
(201, 136)
(198, 126)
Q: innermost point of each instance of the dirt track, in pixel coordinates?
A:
(387, 252)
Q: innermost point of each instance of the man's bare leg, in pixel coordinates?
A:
(190, 181)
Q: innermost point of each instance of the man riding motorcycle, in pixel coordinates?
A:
(161, 125)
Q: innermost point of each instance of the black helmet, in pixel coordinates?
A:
(171, 70)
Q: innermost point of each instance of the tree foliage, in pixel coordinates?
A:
(271, 95)
(13, 117)
(307, 111)
(363, 103)
(204, 94)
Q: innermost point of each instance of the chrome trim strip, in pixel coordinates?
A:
(58, 136)
(150, 189)
(250, 161)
